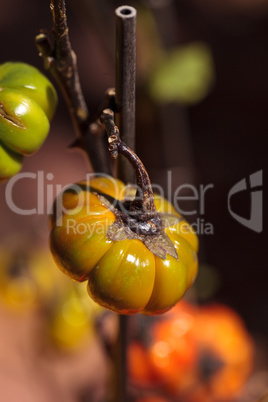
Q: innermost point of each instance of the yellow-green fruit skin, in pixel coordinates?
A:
(123, 276)
(10, 162)
(27, 104)
(28, 119)
(29, 81)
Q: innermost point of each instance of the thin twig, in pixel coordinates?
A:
(61, 62)
(144, 194)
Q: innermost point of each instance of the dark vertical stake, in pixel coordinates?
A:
(126, 83)
(125, 88)
(120, 378)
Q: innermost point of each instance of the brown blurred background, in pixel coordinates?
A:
(217, 140)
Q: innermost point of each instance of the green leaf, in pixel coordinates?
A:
(185, 75)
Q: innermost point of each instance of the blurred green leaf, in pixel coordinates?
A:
(184, 75)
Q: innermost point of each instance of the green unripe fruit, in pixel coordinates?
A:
(29, 81)
(27, 103)
(21, 119)
(10, 162)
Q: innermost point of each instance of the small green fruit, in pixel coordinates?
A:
(28, 102)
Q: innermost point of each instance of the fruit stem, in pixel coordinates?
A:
(143, 206)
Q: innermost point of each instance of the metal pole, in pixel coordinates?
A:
(125, 84)
(125, 89)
